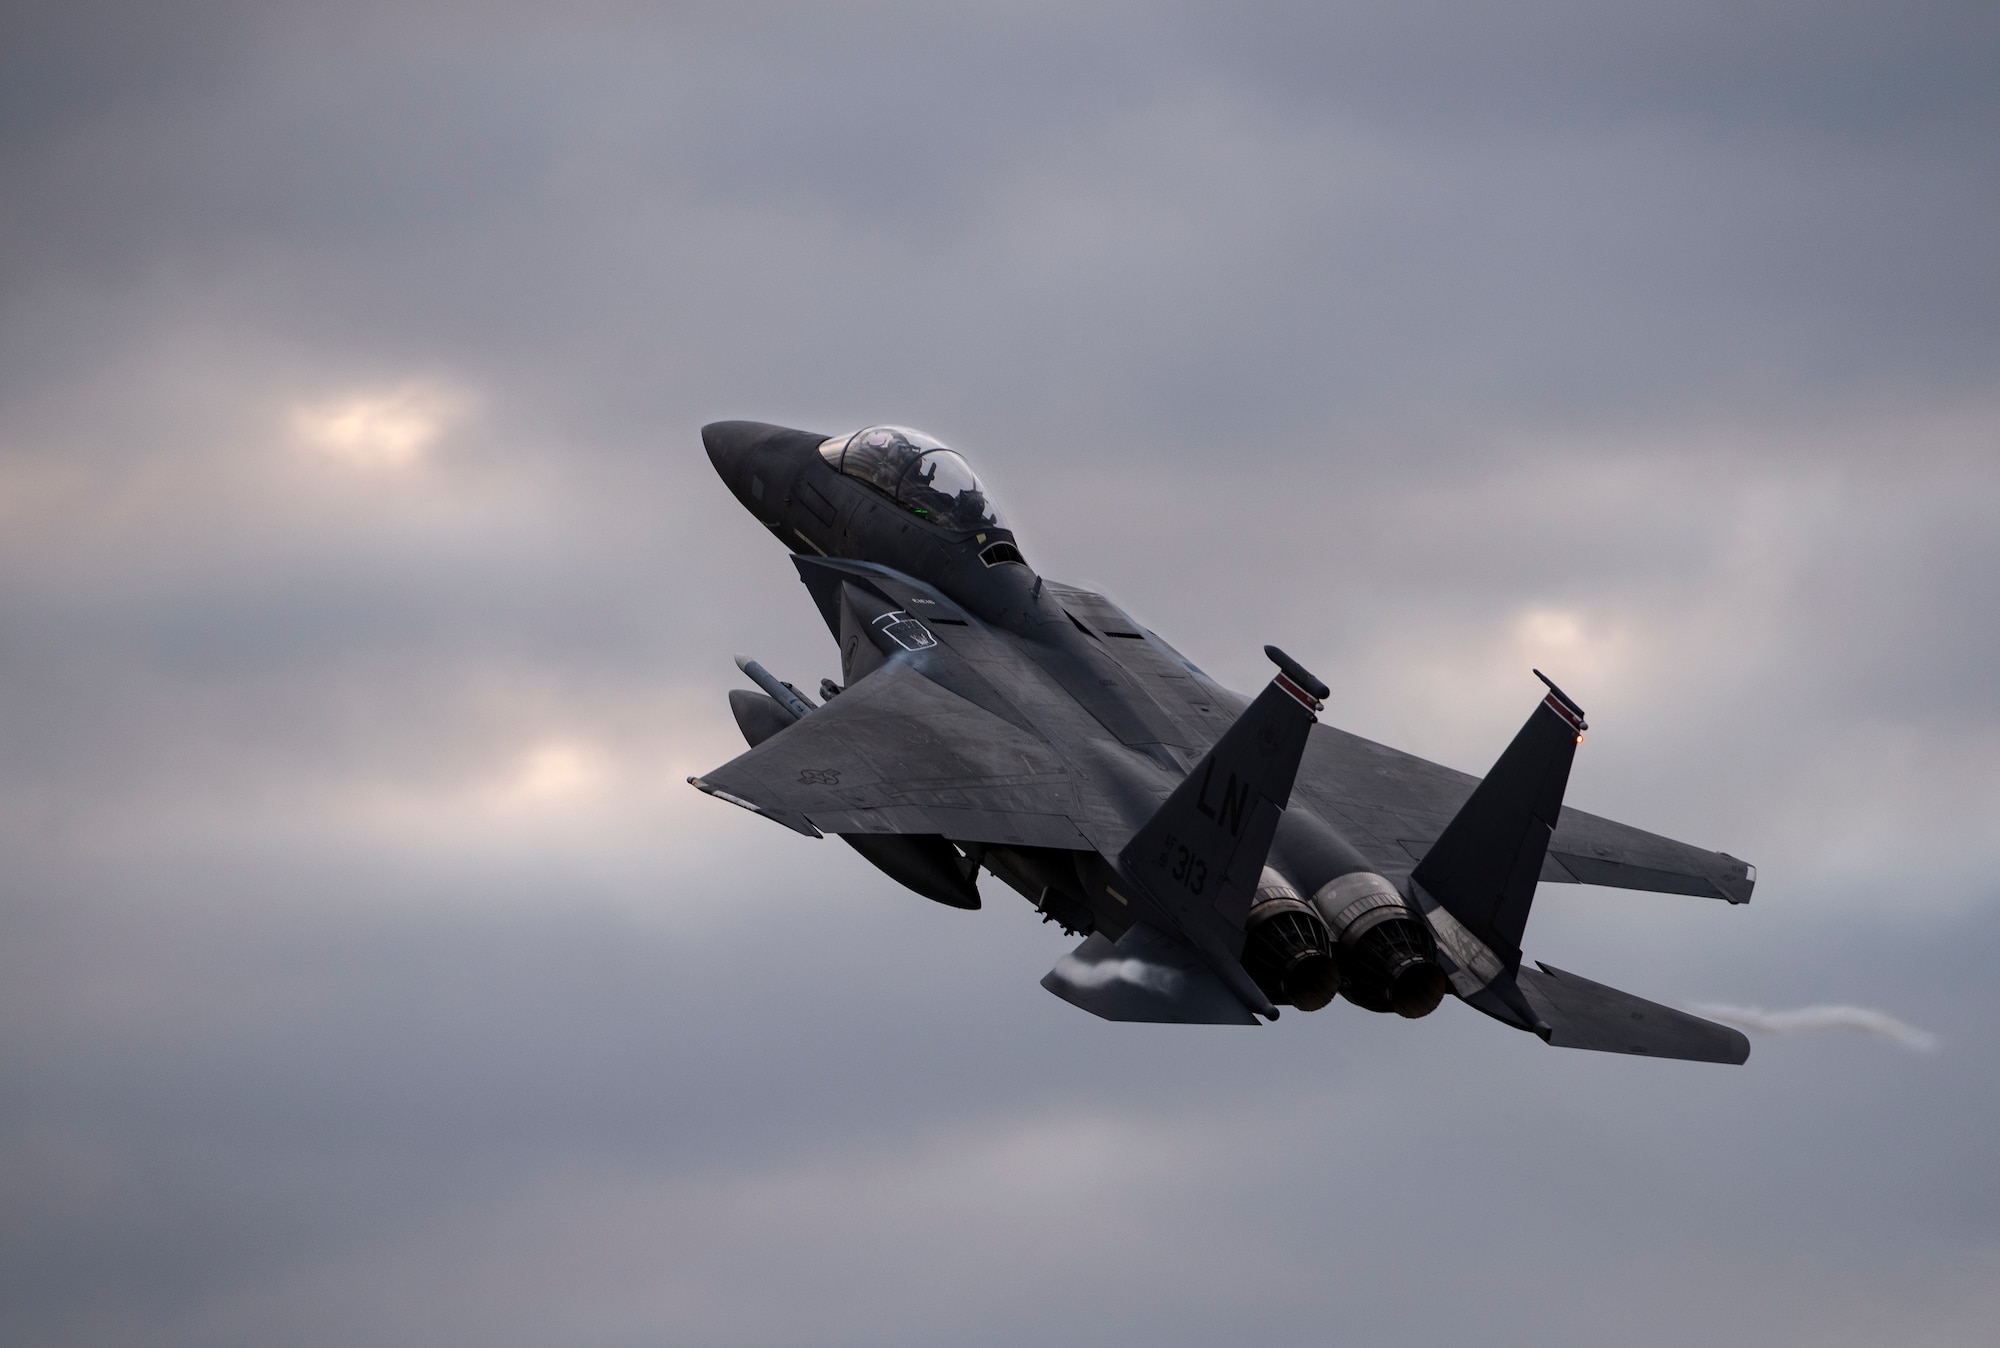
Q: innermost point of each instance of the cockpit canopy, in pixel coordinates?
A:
(917, 471)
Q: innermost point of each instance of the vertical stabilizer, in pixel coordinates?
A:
(1482, 869)
(1203, 851)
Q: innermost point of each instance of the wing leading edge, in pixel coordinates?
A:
(896, 753)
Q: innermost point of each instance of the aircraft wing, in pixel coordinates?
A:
(1393, 806)
(896, 753)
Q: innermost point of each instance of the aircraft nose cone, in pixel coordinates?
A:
(757, 461)
(729, 442)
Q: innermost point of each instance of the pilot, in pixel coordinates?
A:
(918, 472)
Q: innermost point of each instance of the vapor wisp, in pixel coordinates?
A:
(1106, 972)
(1806, 1019)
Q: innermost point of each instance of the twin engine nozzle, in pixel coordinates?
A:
(1356, 936)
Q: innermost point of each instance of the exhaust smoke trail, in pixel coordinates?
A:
(1867, 1020)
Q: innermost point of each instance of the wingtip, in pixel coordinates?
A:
(1735, 888)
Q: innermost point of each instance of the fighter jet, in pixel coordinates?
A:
(1220, 856)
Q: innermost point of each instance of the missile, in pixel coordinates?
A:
(786, 696)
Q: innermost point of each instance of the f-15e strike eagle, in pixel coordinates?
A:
(1221, 856)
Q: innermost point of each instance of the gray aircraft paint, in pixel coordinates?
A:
(996, 720)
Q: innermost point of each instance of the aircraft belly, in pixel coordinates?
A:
(997, 827)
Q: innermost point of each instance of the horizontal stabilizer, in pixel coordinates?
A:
(1145, 975)
(1581, 1014)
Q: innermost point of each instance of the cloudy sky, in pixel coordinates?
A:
(368, 974)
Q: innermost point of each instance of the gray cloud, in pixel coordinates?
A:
(369, 973)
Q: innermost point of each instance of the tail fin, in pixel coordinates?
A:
(1482, 869)
(1202, 852)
